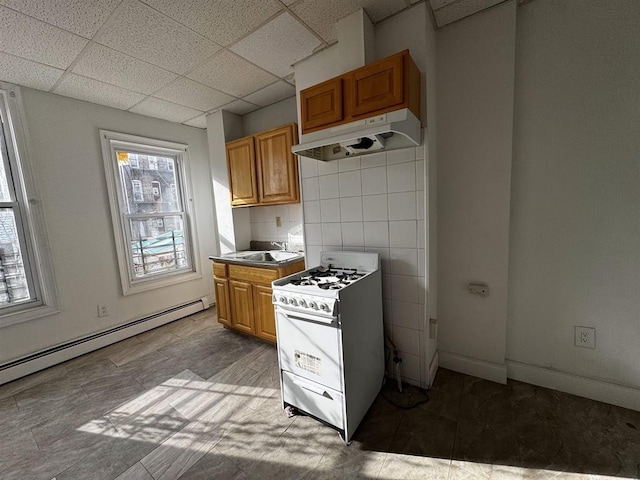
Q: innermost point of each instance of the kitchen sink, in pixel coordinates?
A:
(269, 257)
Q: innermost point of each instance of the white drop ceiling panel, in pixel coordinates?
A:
(278, 44)
(111, 66)
(144, 33)
(322, 16)
(271, 94)
(199, 122)
(450, 11)
(34, 40)
(155, 107)
(193, 94)
(240, 107)
(25, 72)
(231, 74)
(94, 91)
(223, 21)
(83, 17)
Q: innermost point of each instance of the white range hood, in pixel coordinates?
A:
(388, 131)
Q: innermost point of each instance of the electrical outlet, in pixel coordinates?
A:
(478, 289)
(103, 310)
(278, 222)
(585, 337)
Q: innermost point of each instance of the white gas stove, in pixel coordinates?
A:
(330, 338)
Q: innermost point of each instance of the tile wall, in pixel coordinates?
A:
(376, 203)
(263, 223)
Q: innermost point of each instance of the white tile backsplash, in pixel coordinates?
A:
(370, 203)
(264, 227)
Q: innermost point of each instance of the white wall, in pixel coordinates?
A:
(67, 161)
(575, 225)
(264, 225)
(475, 71)
(273, 116)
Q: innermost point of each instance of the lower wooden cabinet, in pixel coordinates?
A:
(243, 297)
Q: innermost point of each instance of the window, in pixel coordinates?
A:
(154, 235)
(26, 276)
(134, 162)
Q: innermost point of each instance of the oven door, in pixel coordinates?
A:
(310, 347)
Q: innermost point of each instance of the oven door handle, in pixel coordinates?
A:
(306, 317)
(313, 389)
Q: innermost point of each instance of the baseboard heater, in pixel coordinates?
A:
(66, 351)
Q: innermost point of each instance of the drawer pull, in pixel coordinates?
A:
(313, 389)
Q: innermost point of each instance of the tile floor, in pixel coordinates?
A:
(191, 400)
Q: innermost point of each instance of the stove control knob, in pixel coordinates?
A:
(283, 300)
(293, 301)
(313, 305)
(302, 302)
(324, 307)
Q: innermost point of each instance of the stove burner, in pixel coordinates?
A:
(330, 286)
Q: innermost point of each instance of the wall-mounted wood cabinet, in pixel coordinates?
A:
(243, 297)
(383, 86)
(262, 169)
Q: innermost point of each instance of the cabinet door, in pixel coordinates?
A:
(265, 316)
(222, 301)
(277, 166)
(241, 306)
(321, 105)
(378, 86)
(242, 171)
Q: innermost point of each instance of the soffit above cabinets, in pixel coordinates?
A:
(449, 11)
(167, 59)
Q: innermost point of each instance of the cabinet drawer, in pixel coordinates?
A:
(220, 270)
(318, 400)
(253, 274)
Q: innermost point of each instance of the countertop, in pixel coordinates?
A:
(241, 258)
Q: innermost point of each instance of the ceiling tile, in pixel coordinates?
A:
(231, 74)
(271, 94)
(141, 32)
(83, 17)
(456, 11)
(192, 94)
(94, 91)
(111, 66)
(436, 4)
(199, 122)
(278, 45)
(155, 107)
(27, 73)
(288, 3)
(223, 21)
(240, 107)
(32, 39)
(322, 16)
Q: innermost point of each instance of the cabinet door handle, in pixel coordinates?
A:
(313, 389)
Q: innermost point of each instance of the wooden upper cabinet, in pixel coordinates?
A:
(377, 86)
(242, 171)
(389, 84)
(322, 104)
(277, 166)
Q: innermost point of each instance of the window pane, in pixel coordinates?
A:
(149, 183)
(157, 245)
(13, 281)
(5, 195)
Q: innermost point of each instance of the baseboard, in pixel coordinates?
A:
(61, 353)
(494, 372)
(599, 390)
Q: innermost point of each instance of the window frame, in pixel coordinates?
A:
(130, 284)
(28, 213)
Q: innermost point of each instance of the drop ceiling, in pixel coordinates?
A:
(175, 60)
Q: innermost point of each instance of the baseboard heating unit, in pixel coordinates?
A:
(60, 353)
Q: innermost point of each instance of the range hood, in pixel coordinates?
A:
(388, 131)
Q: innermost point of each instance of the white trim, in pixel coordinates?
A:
(34, 219)
(49, 360)
(433, 369)
(494, 372)
(599, 390)
(183, 176)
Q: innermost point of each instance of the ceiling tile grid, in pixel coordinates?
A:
(34, 40)
(231, 74)
(156, 107)
(146, 34)
(91, 90)
(240, 107)
(102, 63)
(82, 17)
(198, 122)
(271, 94)
(222, 21)
(278, 44)
(188, 93)
(25, 72)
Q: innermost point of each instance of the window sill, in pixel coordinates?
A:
(27, 314)
(131, 288)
